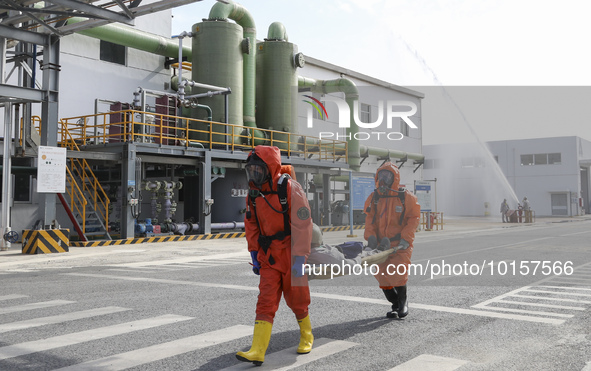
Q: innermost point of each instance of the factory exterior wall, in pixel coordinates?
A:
(539, 182)
(84, 77)
(462, 190)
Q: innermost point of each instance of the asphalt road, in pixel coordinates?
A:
(484, 297)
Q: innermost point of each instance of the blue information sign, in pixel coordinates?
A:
(362, 189)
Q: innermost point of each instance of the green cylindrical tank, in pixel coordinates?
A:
(217, 60)
(277, 84)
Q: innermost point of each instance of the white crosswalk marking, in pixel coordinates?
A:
(169, 265)
(551, 297)
(427, 362)
(13, 296)
(21, 349)
(31, 306)
(157, 352)
(288, 359)
(36, 322)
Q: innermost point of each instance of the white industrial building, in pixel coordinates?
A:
(553, 173)
(93, 71)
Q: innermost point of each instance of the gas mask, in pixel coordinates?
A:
(385, 181)
(257, 172)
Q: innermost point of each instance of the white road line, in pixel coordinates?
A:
(428, 362)
(335, 297)
(553, 299)
(183, 260)
(444, 309)
(288, 359)
(483, 249)
(533, 312)
(558, 293)
(540, 305)
(128, 270)
(150, 267)
(56, 258)
(29, 347)
(566, 288)
(13, 296)
(72, 316)
(510, 293)
(579, 281)
(31, 306)
(167, 282)
(577, 273)
(573, 234)
(134, 358)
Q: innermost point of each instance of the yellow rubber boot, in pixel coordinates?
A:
(260, 342)
(306, 337)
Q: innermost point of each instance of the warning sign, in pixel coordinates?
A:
(51, 170)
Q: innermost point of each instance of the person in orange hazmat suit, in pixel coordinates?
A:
(278, 232)
(392, 217)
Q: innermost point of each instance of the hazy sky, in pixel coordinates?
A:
(446, 43)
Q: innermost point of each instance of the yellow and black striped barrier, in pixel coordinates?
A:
(45, 241)
(156, 239)
(341, 228)
(174, 238)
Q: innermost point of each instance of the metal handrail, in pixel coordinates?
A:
(81, 166)
(188, 132)
(79, 195)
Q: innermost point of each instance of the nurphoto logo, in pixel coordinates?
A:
(387, 110)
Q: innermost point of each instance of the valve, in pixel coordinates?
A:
(11, 236)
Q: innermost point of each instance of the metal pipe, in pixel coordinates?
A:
(181, 36)
(242, 17)
(203, 106)
(6, 176)
(214, 90)
(227, 225)
(2, 59)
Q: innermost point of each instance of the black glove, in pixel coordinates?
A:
(403, 245)
(384, 244)
(372, 242)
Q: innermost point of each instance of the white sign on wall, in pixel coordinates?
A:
(425, 195)
(51, 170)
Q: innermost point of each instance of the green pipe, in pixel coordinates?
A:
(207, 108)
(390, 153)
(242, 17)
(130, 37)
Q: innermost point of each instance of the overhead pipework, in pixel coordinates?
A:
(133, 38)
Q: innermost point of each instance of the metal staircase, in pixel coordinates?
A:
(85, 200)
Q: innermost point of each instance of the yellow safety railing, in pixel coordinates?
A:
(147, 127)
(36, 124)
(431, 220)
(76, 197)
(90, 183)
